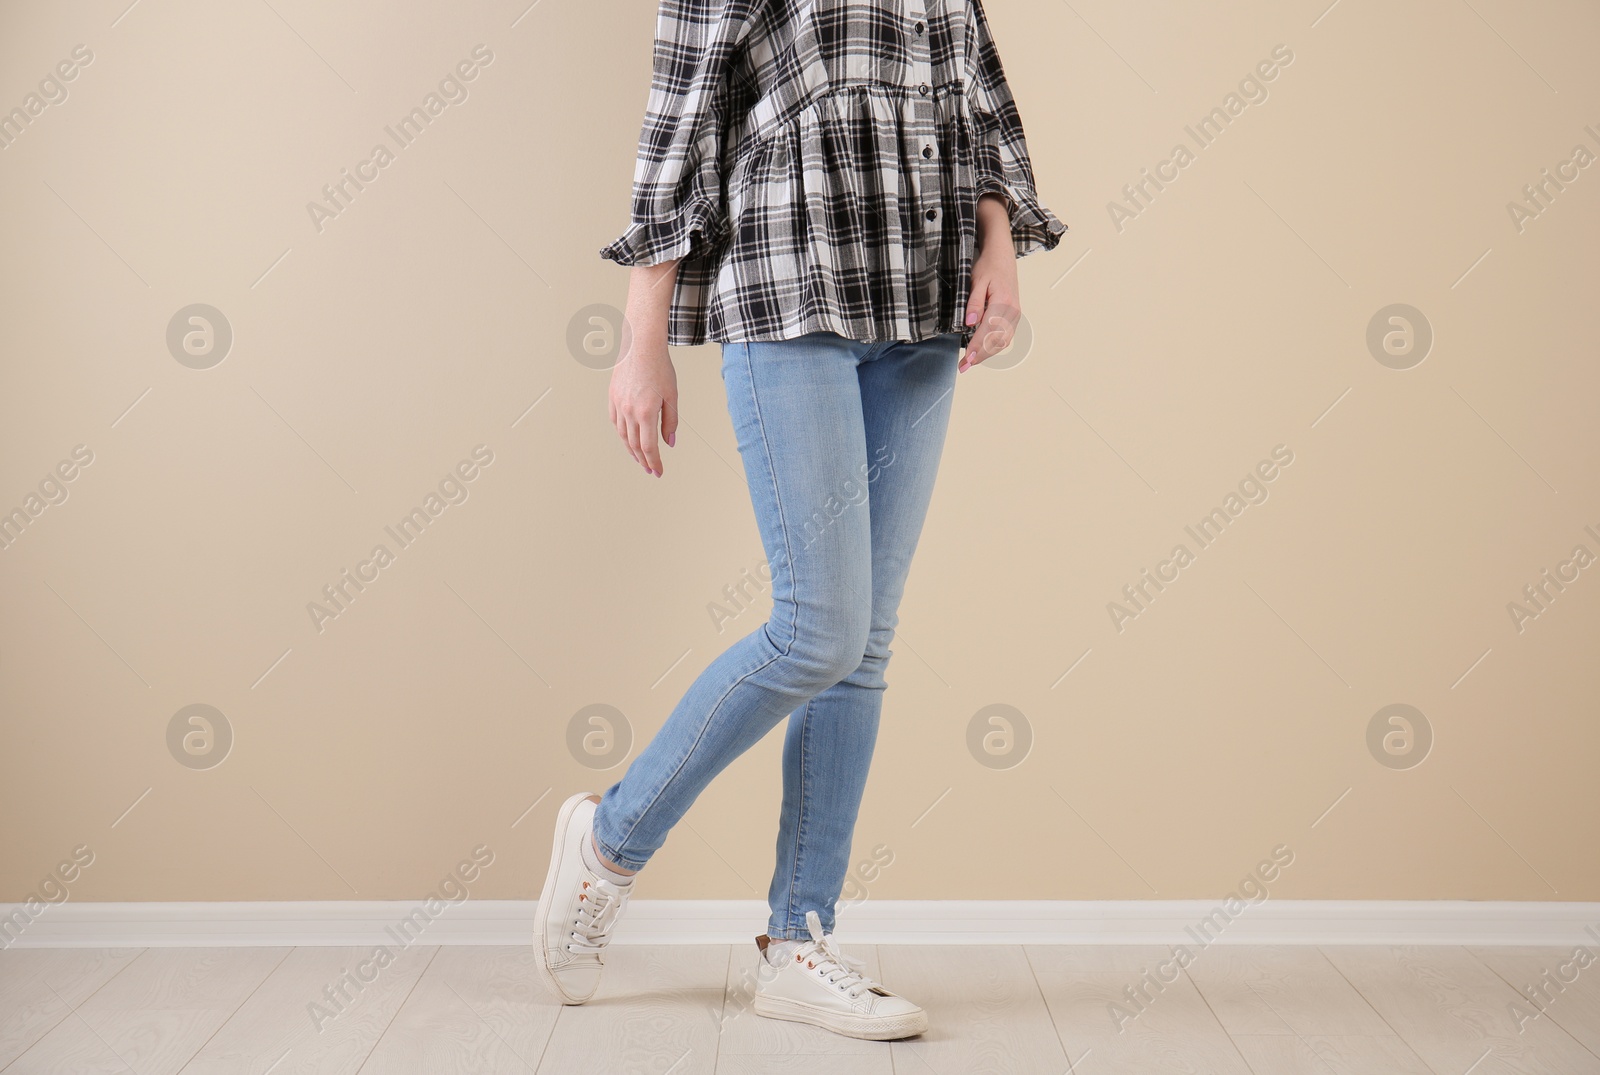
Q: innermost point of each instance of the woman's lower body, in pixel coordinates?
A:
(841, 443)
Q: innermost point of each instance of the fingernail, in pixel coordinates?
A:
(672, 439)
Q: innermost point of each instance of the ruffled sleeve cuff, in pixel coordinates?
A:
(1033, 227)
(698, 227)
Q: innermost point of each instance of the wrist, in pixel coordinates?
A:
(994, 224)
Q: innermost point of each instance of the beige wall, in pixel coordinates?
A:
(369, 358)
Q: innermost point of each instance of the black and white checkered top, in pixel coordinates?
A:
(816, 164)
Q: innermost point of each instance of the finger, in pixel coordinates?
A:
(622, 433)
(977, 301)
(649, 446)
(973, 355)
(999, 327)
(634, 422)
(995, 335)
(669, 423)
(975, 346)
(985, 341)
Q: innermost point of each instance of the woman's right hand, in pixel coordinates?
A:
(644, 385)
(644, 397)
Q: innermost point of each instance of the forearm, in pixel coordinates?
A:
(650, 290)
(994, 223)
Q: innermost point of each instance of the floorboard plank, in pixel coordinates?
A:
(806, 1063)
(1572, 1005)
(154, 1015)
(657, 1010)
(1329, 1054)
(1454, 1012)
(1115, 1019)
(478, 1010)
(39, 987)
(985, 1012)
(297, 1023)
(1281, 990)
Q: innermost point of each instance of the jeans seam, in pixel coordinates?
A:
(766, 448)
(800, 817)
(788, 552)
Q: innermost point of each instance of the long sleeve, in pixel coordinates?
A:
(1003, 165)
(678, 206)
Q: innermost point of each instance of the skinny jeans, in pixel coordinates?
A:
(841, 442)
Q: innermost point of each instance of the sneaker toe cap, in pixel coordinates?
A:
(576, 981)
(894, 1007)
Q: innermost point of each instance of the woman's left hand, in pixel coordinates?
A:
(994, 305)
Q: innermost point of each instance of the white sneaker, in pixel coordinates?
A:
(577, 908)
(822, 986)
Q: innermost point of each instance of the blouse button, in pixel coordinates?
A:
(923, 89)
(932, 214)
(927, 151)
(919, 28)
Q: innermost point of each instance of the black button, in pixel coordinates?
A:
(932, 214)
(923, 89)
(920, 28)
(927, 151)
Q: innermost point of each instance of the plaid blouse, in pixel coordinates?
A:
(817, 164)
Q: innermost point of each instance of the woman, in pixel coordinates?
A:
(836, 191)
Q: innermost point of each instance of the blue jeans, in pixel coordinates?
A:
(841, 443)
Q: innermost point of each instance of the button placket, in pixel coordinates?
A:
(922, 146)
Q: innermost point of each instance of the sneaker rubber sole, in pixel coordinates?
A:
(851, 1025)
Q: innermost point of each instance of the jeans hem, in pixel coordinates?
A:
(801, 934)
(612, 855)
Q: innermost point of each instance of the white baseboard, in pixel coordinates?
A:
(510, 922)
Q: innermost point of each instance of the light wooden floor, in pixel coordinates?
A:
(683, 1009)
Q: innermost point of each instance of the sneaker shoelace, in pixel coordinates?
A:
(844, 973)
(598, 906)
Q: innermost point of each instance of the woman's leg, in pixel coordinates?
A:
(906, 392)
(798, 415)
